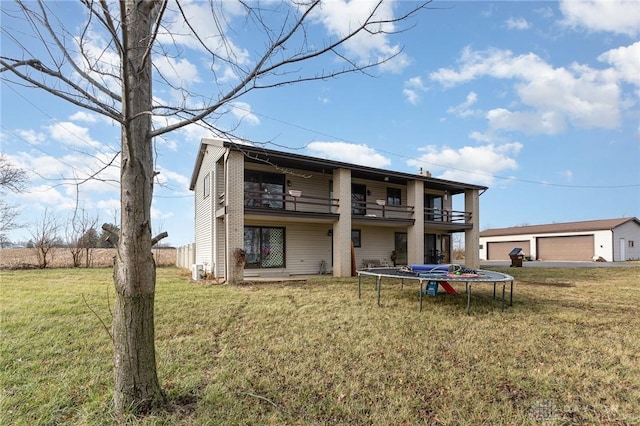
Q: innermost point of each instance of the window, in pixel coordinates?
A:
(264, 247)
(394, 197)
(264, 190)
(631, 244)
(356, 237)
(207, 185)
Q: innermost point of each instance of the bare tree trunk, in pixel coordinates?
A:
(137, 388)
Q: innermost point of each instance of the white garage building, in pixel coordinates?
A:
(611, 239)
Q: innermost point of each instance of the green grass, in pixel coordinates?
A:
(567, 352)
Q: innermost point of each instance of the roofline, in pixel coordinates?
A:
(569, 227)
(260, 153)
(331, 164)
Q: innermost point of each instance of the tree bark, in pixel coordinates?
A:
(137, 389)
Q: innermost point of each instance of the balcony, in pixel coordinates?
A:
(296, 204)
(292, 204)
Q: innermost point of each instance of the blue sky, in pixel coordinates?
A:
(537, 100)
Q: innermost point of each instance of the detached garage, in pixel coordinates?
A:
(609, 239)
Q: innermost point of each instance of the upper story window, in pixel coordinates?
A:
(206, 185)
(394, 196)
(262, 189)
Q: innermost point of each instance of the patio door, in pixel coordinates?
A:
(358, 199)
(400, 247)
(430, 250)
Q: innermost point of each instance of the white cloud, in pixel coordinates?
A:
(464, 109)
(84, 117)
(110, 209)
(341, 16)
(97, 173)
(71, 134)
(626, 61)
(47, 196)
(478, 164)
(101, 61)
(518, 24)
(616, 16)
(349, 153)
(32, 137)
(242, 112)
(413, 89)
(167, 177)
(550, 97)
(177, 72)
(209, 30)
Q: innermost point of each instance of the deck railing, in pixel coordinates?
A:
(446, 216)
(297, 201)
(380, 209)
(290, 201)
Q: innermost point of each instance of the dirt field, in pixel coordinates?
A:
(26, 258)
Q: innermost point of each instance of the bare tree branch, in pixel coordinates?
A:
(82, 95)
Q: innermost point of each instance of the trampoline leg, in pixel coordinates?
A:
(504, 286)
(511, 295)
(378, 285)
(359, 291)
(468, 298)
(420, 295)
(494, 290)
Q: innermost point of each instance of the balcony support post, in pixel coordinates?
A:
(415, 232)
(471, 236)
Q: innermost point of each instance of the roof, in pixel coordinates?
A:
(553, 228)
(286, 160)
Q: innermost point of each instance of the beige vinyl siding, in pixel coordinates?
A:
(377, 244)
(306, 246)
(203, 208)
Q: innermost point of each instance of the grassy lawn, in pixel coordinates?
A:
(567, 352)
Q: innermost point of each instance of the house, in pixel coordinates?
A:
(609, 239)
(301, 215)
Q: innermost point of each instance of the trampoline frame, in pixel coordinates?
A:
(483, 277)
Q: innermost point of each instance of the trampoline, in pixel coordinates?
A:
(430, 275)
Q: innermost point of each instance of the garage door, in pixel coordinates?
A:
(500, 251)
(579, 247)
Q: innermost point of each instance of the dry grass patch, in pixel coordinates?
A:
(25, 258)
(313, 353)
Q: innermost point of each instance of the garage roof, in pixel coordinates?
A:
(589, 225)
